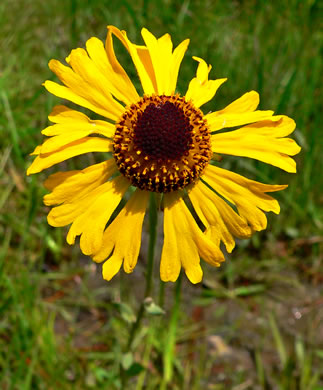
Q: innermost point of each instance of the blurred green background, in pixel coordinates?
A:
(255, 323)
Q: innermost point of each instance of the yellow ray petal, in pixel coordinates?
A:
(91, 75)
(91, 223)
(124, 233)
(111, 267)
(81, 128)
(71, 126)
(67, 213)
(249, 196)
(66, 93)
(146, 81)
(160, 52)
(201, 89)
(261, 141)
(86, 83)
(177, 58)
(165, 62)
(144, 57)
(58, 178)
(68, 186)
(119, 83)
(117, 68)
(280, 125)
(236, 225)
(63, 114)
(239, 112)
(67, 120)
(170, 264)
(36, 151)
(217, 122)
(157, 65)
(76, 148)
(60, 141)
(246, 103)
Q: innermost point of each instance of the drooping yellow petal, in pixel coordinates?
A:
(82, 82)
(207, 210)
(201, 89)
(236, 225)
(170, 264)
(76, 148)
(66, 213)
(190, 240)
(111, 267)
(186, 253)
(262, 141)
(69, 186)
(247, 195)
(57, 179)
(91, 223)
(123, 236)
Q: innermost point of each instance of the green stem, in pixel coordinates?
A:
(171, 336)
(149, 274)
(161, 298)
(152, 241)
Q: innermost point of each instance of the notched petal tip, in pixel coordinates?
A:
(111, 267)
(128, 269)
(195, 275)
(168, 278)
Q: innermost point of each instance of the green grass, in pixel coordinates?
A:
(255, 323)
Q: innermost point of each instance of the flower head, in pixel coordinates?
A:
(158, 143)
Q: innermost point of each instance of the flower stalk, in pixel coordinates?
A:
(153, 219)
(168, 357)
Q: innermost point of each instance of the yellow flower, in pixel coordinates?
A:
(159, 143)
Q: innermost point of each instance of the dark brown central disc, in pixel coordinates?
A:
(162, 143)
(163, 132)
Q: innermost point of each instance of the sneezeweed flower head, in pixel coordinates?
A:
(160, 143)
